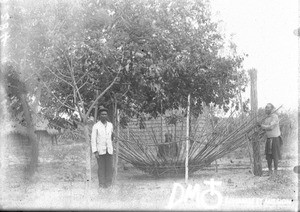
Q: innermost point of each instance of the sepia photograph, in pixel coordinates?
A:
(161, 105)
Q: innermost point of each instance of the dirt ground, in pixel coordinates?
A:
(59, 184)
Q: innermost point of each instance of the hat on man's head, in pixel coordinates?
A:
(101, 108)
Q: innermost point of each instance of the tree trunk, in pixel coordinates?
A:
(36, 103)
(257, 167)
(3, 116)
(88, 169)
(96, 109)
(87, 155)
(32, 137)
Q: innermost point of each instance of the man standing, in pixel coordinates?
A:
(102, 147)
(274, 141)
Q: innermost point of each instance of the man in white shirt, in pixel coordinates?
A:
(274, 140)
(102, 147)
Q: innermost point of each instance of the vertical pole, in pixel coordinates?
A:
(128, 137)
(161, 129)
(115, 117)
(96, 108)
(88, 157)
(117, 143)
(161, 123)
(248, 141)
(257, 167)
(213, 129)
(187, 140)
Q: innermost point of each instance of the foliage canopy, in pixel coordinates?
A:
(159, 52)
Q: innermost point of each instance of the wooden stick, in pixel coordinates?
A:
(257, 167)
(117, 144)
(187, 140)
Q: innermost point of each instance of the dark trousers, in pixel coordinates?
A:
(105, 170)
(269, 158)
(273, 151)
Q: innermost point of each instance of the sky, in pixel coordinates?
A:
(264, 29)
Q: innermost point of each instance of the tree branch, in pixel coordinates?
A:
(75, 89)
(83, 85)
(63, 74)
(83, 76)
(28, 77)
(49, 90)
(79, 111)
(68, 63)
(65, 100)
(103, 92)
(126, 90)
(59, 77)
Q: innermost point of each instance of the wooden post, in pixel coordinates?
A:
(115, 117)
(257, 167)
(117, 143)
(210, 116)
(248, 141)
(213, 127)
(187, 140)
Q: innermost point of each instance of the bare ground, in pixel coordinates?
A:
(59, 184)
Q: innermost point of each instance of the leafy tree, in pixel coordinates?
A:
(60, 57)
(77, 63)
(170, 49)
(19, 63)
(146, 55)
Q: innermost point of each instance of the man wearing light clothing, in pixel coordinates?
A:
(274, 140)
(102, 147)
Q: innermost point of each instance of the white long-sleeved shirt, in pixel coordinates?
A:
(101, 139)
(271, 125)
